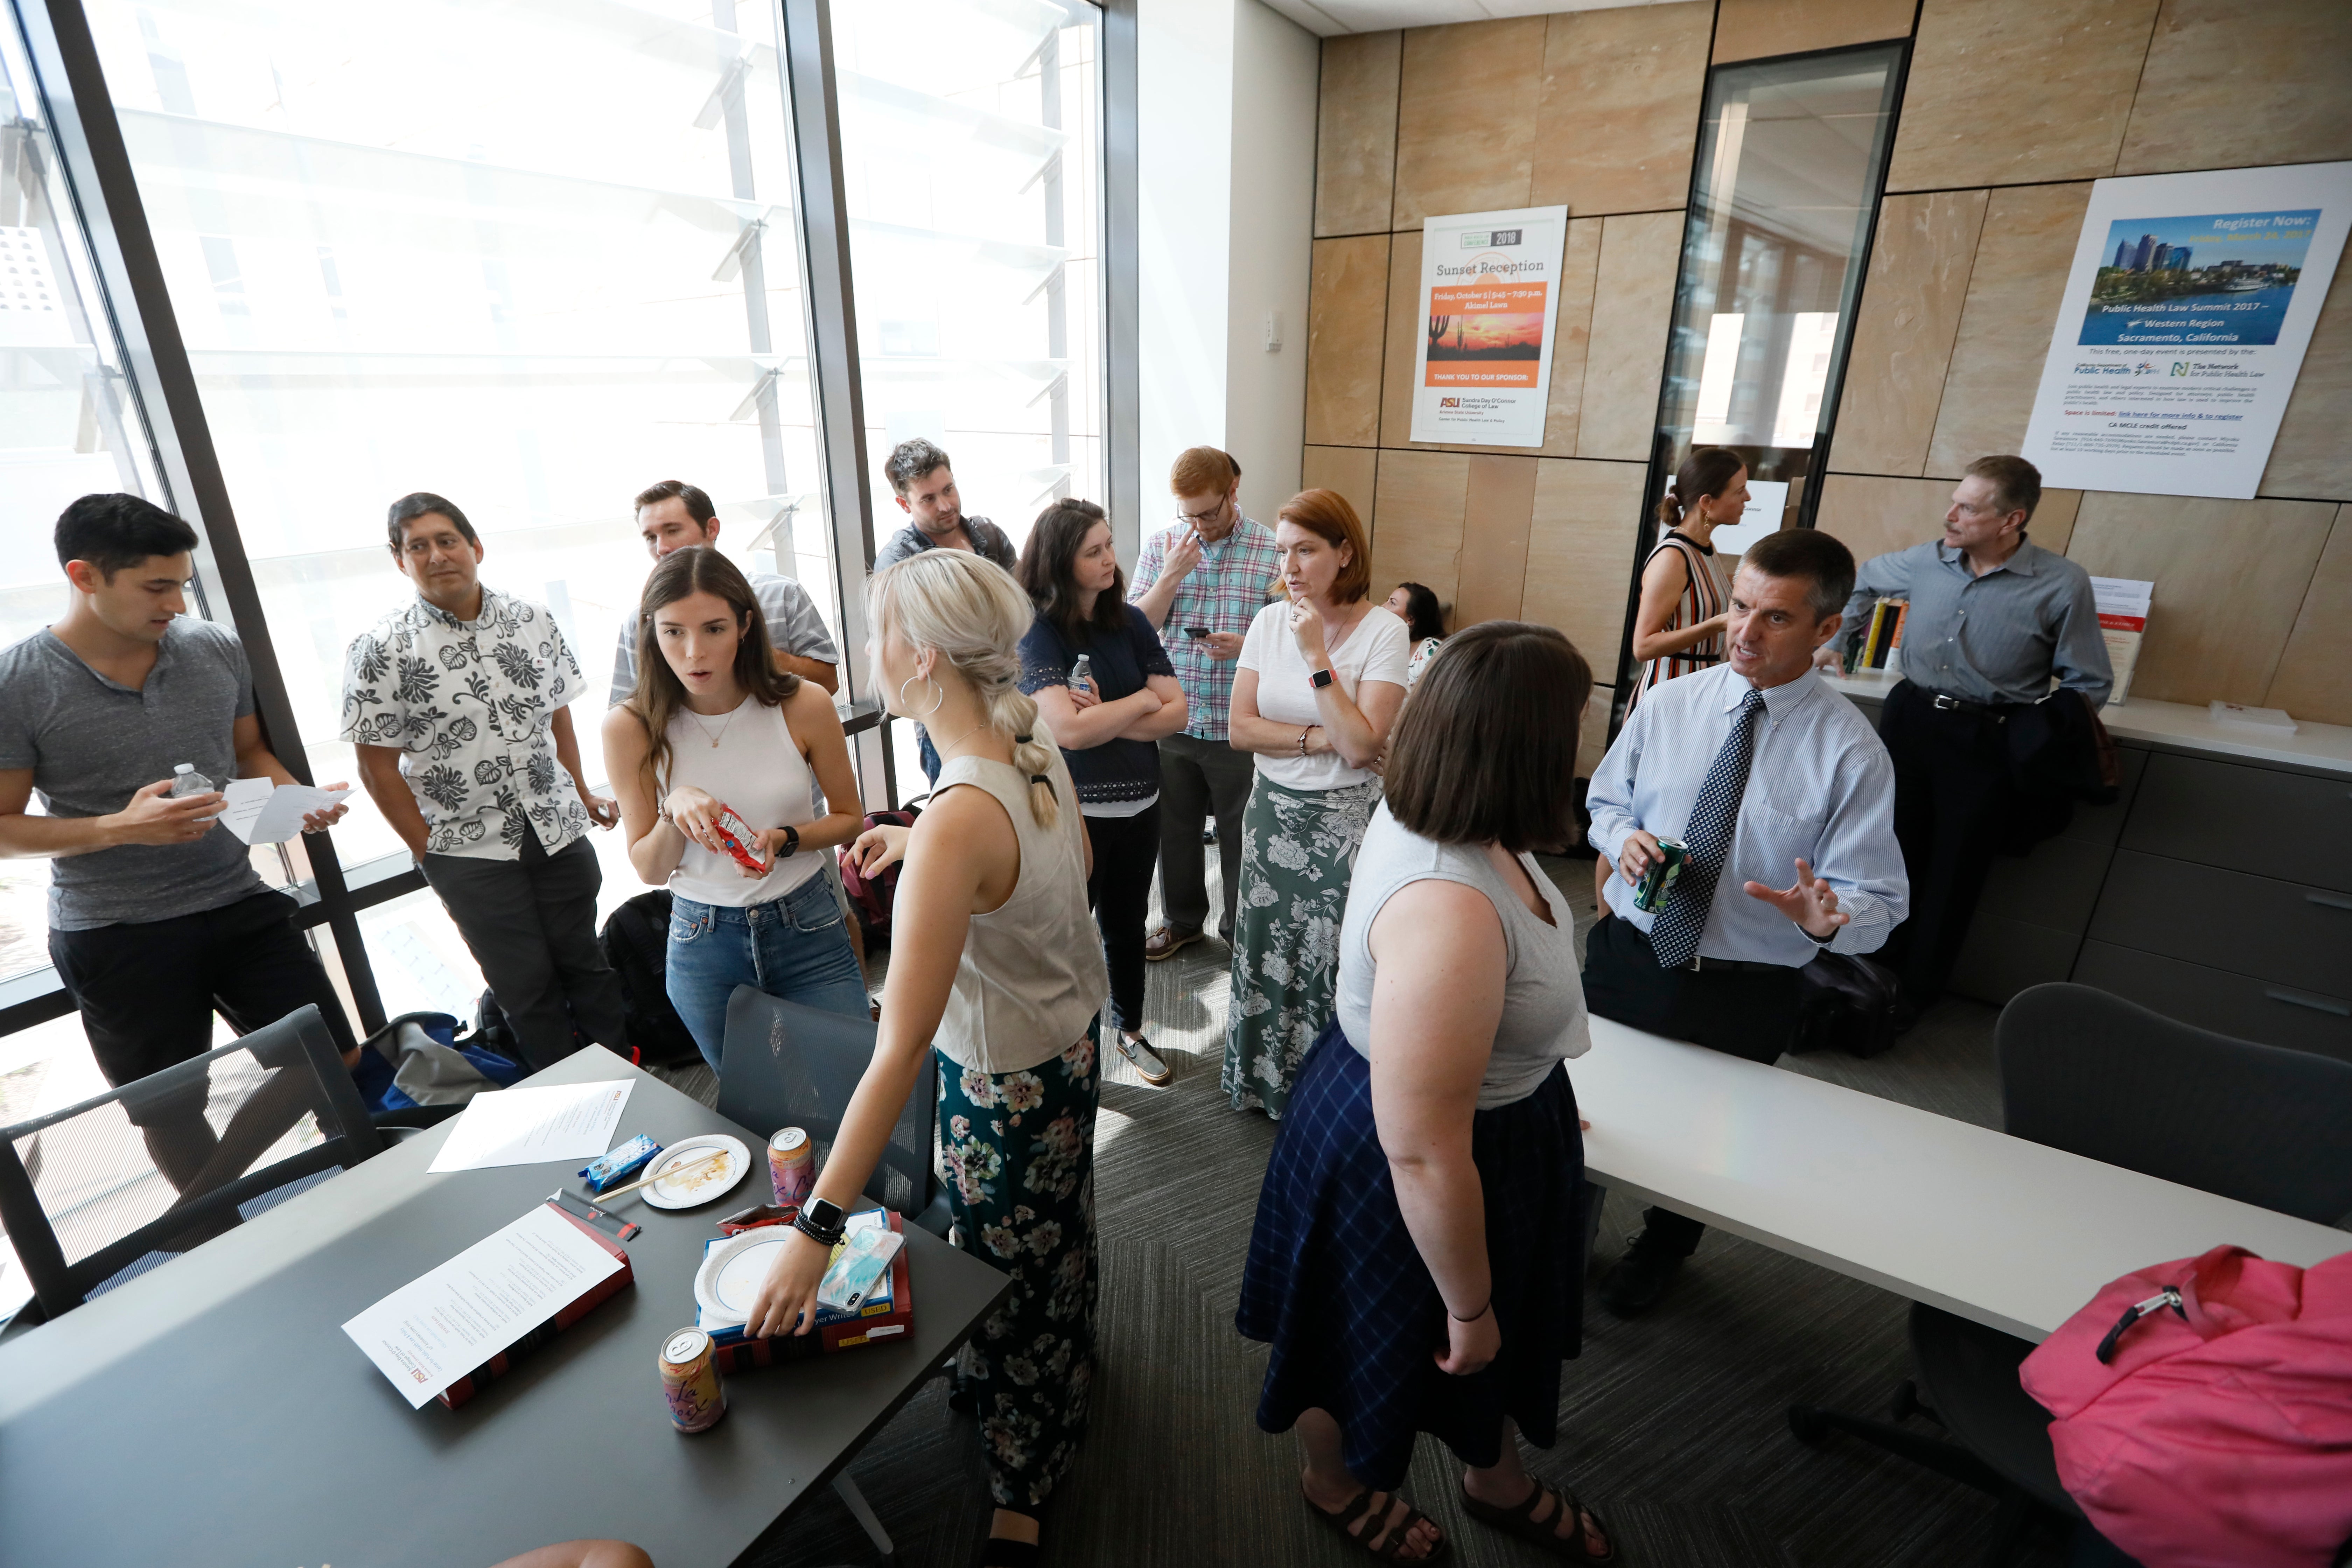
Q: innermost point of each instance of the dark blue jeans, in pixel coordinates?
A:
(794, 947)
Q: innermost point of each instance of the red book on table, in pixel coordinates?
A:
(604, 1289)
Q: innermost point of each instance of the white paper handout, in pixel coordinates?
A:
(260, 812)
(435, 1330)
(2123, 605)
(524, 1126)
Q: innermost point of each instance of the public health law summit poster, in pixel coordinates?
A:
(1489, 290)
(2185, 321)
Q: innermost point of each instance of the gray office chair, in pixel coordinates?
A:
(2089, 1073)
(114, 1185)
(783, 1065)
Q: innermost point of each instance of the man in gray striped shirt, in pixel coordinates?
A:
(1993, 617)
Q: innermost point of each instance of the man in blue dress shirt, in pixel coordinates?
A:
(1785, 799)
(1993, 617)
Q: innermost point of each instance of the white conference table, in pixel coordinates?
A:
(2012, 1234)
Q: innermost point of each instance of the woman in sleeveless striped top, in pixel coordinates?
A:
(1678, 624)
(996, 977)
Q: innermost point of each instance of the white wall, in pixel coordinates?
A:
(1225, 94)
(1278, 68)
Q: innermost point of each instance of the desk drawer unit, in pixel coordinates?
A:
(2285, 933)
(2294, 827)
(2239, 1005)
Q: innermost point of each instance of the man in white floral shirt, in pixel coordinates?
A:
(457, 705)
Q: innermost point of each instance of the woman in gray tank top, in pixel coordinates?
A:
(996, 980)
(1428, 1185)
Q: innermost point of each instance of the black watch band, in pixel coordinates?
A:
(792, 841)
(821, 1222)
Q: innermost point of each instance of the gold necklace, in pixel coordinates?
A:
(722, 727)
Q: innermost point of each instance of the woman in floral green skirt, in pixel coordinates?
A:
(1320, 678)
(996, 978)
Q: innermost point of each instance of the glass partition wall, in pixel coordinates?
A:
(972, 159)
(1784, 195)
(396, 261)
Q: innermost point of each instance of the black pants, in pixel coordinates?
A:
(531, 925)
(1739, 1012)
(1955, 805)
(147, 992)
(1126, 848)
(1199, 779)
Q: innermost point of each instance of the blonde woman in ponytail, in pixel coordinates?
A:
(996, 980)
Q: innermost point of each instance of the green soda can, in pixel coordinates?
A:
(1650, 892)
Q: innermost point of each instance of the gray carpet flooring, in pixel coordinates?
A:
(1673, 1426)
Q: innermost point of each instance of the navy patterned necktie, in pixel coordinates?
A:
(1674, 936)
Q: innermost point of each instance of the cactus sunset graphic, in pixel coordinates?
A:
(1485, 333)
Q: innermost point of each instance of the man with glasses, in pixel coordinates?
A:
(1201, 583)
(157, 919)
(1993, 616)
(460, 705)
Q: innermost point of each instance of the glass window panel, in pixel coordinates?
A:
(402, 263)
(1791, 159)
(971, 134)
(69, 425)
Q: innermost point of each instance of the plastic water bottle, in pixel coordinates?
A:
(1083, 672)
(186, 781)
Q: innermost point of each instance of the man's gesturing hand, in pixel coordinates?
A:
(1810, 903)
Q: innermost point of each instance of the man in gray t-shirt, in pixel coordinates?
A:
(156, 917)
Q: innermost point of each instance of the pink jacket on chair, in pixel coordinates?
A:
(2219, 1432)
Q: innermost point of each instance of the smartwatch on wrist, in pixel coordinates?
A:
(792, 842)
(1319, 680)
(821, 1222)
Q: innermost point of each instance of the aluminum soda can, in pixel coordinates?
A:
(689, 1375)
(792, 1167)
(1650, 893)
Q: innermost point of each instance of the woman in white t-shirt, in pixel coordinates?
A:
(713, 725)
(1321, 675)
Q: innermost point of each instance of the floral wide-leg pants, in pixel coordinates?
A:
(1017, 1152)
(1298, 852)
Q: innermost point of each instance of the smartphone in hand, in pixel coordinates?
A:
(1196, 631)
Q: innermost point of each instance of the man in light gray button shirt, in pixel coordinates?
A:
(1993, 617)
(1786, 802)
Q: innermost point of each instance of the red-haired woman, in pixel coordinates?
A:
(1322, 676)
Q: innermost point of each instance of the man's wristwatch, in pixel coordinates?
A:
(821, 1222)
(1319, 680)
(792, 842)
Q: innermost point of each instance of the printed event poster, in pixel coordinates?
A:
(1489, 290)
(2185, 322)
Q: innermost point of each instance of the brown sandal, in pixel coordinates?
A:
(1371, 1506)
(1522, 1522)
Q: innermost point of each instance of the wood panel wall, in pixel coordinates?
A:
(2012, 108)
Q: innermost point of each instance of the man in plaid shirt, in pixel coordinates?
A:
(1201, 583)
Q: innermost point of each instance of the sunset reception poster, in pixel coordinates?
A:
(1489, 291)
(2183, 328)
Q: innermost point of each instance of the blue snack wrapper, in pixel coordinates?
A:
(619, 1165)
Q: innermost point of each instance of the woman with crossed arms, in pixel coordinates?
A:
(1321, 676)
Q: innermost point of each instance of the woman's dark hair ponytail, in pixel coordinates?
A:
(1707, 471)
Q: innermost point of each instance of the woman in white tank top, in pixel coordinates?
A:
(996, 981)
(714, 727)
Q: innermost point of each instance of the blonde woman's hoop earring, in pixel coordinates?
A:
(940, 695)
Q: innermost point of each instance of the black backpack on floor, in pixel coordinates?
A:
(636, 944)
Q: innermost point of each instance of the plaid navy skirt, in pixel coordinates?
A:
(1337, 1287)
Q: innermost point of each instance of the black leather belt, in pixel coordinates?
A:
(1997, 712)
(1701, 965)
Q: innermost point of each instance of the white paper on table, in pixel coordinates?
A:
(524, 1126)
(260, 812)
(437, 1328)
